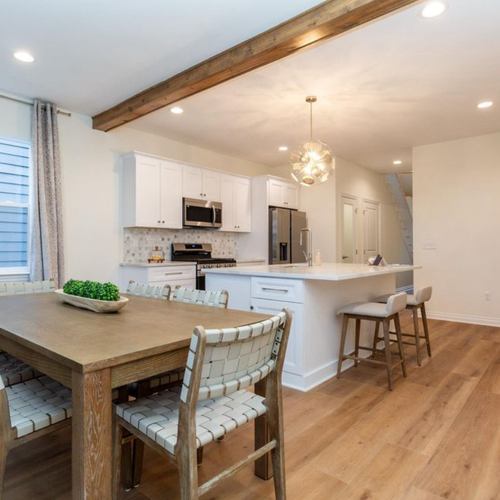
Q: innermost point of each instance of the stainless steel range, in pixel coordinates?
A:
(201, 253)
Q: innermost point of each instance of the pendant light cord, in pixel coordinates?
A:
(311, 113)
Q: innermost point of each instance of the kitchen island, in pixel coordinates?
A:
(314, 295)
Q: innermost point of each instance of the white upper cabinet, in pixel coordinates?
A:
(201, 184)
(283, 193)
(171, 194)
(243, 205)
(193, 182)
(211, 185)
(152, 192)
(236, 204)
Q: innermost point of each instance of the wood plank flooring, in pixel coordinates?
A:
(436, 436)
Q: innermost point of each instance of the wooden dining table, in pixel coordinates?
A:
(94, 353)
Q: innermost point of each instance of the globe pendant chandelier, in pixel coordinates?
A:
(312, 162)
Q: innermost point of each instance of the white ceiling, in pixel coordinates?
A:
(93, 54)
(400, 82)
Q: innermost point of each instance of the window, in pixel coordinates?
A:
(14, 206)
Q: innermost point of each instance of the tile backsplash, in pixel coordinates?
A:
(138, 243)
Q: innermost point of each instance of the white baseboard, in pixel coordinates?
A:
(462, 318)
(317, 376)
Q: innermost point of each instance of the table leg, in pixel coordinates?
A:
(263, 466)
(92, 436)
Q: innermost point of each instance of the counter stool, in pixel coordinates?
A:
(379, 313)
(416, 302)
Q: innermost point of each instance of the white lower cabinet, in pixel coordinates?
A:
(293, 359)
(161, 275)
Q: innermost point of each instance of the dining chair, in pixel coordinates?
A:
(167, 380)
(29, 410)
(200, 297)
(12, 369)
(213, 400)
(149, 291)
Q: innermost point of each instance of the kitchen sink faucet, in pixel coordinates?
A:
(309, 254)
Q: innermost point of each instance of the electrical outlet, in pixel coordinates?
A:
(429, 245)
(487, 296)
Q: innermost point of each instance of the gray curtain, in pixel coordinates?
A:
(46, 246)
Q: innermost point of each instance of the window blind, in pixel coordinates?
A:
(14, 203)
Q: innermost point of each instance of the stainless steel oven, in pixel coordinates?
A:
(200, 213)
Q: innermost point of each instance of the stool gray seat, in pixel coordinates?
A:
(379, 313)
(416, 303)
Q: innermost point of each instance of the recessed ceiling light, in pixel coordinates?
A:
(485, 104)
(177, 110)
(23, 56)
(397, 162)
(283, 148)
(433, 9)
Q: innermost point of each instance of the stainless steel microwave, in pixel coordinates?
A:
(201, 213)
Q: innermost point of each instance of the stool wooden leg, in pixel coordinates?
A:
(376, 337)
(345, 322)
(426, 330)
(417, 334)
(397, 324)
(356, 346)
(388, 361)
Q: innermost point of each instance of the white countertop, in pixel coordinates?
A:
(327, 272)
(163, 264)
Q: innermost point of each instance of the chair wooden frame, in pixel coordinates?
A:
(8, 438)
(416, 335)
(185, 456)
(387, 344)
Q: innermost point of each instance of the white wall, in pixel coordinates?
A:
(456, 205)
(322, 204)
(91, 183)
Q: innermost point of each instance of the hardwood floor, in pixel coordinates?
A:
(436, 436)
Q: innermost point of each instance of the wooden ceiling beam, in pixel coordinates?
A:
(326, 20)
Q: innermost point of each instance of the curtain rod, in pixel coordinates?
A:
(29, 102)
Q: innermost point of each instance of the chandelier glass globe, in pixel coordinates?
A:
(312, 162)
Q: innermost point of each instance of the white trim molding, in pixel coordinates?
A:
(463, 318)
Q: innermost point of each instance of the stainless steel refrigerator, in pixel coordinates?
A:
(284, 236)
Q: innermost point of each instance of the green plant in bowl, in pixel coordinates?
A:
(92, 290)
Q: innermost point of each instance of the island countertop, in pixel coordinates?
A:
(326, 272)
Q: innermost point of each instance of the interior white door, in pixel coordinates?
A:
(171, 194)
(211, 185)
(243, 204)
(148, 210)
(227, 197)
(371, 229)
(192, 182)
(349, 229)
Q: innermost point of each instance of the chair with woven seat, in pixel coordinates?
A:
(170, 379)
(149, 291)
(379, 313)
(200, 297)
(12, 369)
(416, 303)
(213, 401)
(30, 410)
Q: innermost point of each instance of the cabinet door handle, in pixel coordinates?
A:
(159, 222)
(163, 222)
(251, 308)
(172, 274)
(275, 289)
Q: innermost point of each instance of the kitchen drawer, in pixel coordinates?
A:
(171, 273)
(277, 289)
